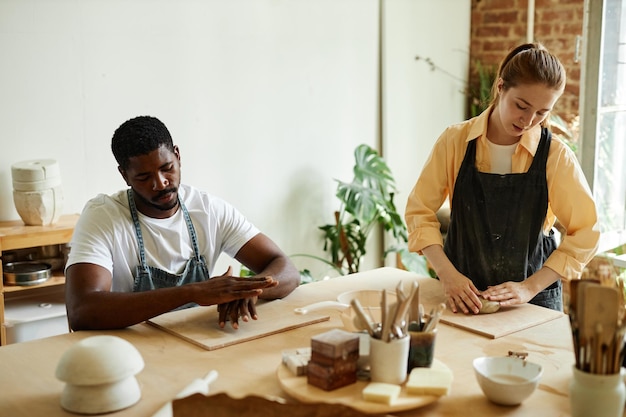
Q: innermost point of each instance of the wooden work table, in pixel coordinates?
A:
(28, 386)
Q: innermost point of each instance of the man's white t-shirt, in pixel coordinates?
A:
(105, 235)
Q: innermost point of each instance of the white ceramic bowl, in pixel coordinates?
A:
(100, 399)
(99, 372)
(369, 299)
(507, 380)
(99, 360)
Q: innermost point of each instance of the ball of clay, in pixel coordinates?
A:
(488, 306)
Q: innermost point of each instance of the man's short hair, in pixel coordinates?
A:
(139, 136)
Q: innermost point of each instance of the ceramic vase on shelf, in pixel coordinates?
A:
(597, 395)
(37, 191)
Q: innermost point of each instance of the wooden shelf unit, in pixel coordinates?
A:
(15, 235)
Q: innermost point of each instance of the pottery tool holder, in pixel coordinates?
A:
(392, 316)
(598, 321)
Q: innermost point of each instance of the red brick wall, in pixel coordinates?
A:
(499, 25)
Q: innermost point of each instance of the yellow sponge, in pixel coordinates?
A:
(381, 392)
(429, 381)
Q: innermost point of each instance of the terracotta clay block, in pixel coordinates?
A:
(327, 379)
(335, 343)
(328, 371)
(336, 362)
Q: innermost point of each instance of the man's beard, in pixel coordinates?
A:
(161, 207)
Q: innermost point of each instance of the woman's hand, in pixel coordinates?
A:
(461, 294)
(509, 293)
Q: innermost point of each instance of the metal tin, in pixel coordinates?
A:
(26, 272)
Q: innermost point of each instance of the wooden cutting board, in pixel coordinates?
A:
(505, 321)
(199, 325)
(351, 395)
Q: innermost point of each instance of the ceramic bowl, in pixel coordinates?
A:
(99, 372)
(369, 299)
(99, 360)
(507, 380)
(101, 399)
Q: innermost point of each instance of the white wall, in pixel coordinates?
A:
(419, 102)
(267, 99)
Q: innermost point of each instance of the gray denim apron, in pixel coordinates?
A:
(149, 277)
(496, 224)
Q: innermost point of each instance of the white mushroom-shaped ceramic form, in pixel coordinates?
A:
(99, 372)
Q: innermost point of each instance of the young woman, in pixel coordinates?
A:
(507, 181)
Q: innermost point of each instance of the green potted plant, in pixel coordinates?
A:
(366, 205)
(480, 96)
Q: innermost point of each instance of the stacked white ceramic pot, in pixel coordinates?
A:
(37, 191)
(99, 372)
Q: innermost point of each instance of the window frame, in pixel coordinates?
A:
(591, 108)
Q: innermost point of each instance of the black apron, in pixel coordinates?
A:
(496, 221)
(149, 277)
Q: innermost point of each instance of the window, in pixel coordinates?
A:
(603, 114)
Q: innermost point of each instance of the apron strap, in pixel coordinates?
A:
(135, 217)
(133, 213)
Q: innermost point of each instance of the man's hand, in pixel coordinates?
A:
(237, 296)
(244, 308)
